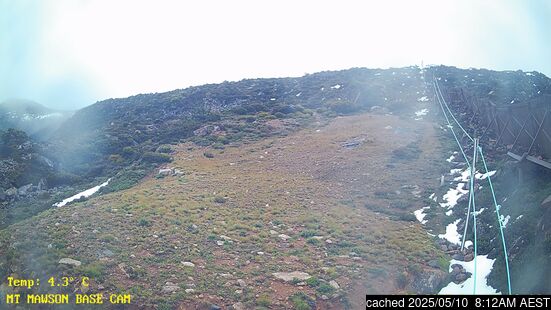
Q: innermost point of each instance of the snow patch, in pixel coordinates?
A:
(451, 233)
(484, 266)
(420, 215)
(87, 193)
(464, 176)
(482, 176)
(453, 195)
(505, 220)
(422, 112)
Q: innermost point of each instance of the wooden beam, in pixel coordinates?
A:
(539, 161)
(515, 156)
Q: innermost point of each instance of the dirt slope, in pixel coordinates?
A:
(334, 201)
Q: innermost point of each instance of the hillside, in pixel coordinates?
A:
(33, 118)
(218, 195)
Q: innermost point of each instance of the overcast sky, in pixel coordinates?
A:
(70, 53)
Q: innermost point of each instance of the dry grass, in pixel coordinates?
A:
(304, 185)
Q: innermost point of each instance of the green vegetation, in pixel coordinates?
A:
(301, 301)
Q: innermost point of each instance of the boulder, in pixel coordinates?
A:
(238, 306)
(188, 264)
(241, 283)
(70, 261)
(458, 256)
(427, 282)
(284, 237)
(165, 171)
(461, 277)
(434, 264)
(169, 287)
(11, 192)
(290, 276)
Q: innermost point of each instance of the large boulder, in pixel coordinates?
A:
(428, 281)
(70, 261)
(290, 276)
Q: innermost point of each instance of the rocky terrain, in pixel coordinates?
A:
(299, 193)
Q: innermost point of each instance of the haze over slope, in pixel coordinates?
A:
(222, 190)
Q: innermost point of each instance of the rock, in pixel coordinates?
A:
(207, 130)
(458, 256)
(334, 284)
(107, 253)
(11, 192)
(190, 291)
(170, 287)
(324, 297)
(469, 257)
(241, 283)
(188, 264)
(461, 277)
(178, 172)
(220, 242)
(444, 248)
(238, 306)
(122, 267)
(290, 276)
(284, 237)
(214, 307)
(328, 241)
(260, 253)
(427, 282)
(70, 261)
(273, 232)
(165, 171)
(434, 264)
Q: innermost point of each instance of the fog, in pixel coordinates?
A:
(69, 54)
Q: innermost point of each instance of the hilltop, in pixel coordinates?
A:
(33, 118)
(221, 194)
